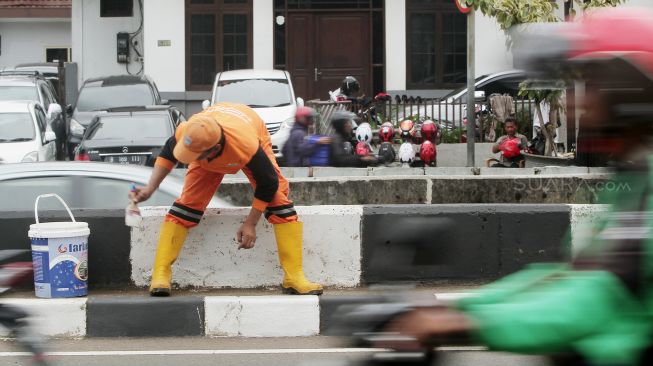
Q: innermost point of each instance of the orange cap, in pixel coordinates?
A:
(201, 133)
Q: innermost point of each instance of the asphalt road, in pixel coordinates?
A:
(313, 351)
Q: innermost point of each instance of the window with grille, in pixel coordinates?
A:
(436, 40)
(219, 38)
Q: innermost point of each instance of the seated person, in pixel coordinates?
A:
(510, 145)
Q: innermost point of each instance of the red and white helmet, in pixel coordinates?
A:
(407, 129)
(427, 153)
(364, 133)
(386, 132)
(429, 130)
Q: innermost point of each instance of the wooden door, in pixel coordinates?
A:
(323, 48)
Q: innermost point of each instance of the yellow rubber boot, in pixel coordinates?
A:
(170, 243)
(289, 241)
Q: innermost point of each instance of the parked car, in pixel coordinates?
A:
(24, 133)
(31, 85)
(129, 135)
(83, 185)
(102, 93)
(50, 71)
(451, 109)
(269, 92)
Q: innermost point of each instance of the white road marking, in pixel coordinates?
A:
(229, 351)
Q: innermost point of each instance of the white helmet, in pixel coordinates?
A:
(406, 153)
(364, 132)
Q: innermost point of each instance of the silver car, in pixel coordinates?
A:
(83, 185)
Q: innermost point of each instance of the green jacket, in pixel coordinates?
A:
(599, 306)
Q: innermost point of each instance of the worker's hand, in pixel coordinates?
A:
(425, 324)
(246, 236)
(140, 194)
(324, 140)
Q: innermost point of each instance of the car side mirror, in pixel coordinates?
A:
(54, 110)
(50, 136)
(165, 101)
(206, 104)
(300, 102)
(69, 109)
(479, 95)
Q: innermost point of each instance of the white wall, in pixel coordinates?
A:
(263, 34)
(164, 21)
(492, 54)
(26, 40)
(395, 45)
(94, 40)
(640, 3)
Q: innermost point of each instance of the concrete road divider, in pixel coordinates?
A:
(210, 257)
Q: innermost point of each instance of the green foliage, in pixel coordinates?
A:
(452, 136)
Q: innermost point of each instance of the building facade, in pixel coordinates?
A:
(34, 31)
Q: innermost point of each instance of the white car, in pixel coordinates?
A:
(25, 134)
(268, 92)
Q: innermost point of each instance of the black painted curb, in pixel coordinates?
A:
(144, 317)
(459, 241)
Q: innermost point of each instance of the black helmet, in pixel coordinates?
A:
(339, 118)
(349, 85)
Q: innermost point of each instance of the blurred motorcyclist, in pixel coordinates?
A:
(298, 148)
(342, 149)
(597, 309)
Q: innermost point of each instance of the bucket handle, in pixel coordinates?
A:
(36, 205)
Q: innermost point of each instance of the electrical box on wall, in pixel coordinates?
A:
(123, 47)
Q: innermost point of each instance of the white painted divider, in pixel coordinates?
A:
(262, 316)
(52, 317)
(332, 249)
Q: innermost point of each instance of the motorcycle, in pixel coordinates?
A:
(13, 318)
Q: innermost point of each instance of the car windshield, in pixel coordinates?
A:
(256, 93)
(16, 127)
(18, 93)
(132, 127)
(95, 97)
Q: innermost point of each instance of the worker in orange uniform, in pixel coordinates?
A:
(224, 139)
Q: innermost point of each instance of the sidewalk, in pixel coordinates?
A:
(213, 313)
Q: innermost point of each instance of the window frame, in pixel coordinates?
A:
(218, 9)
(439, 9)
(116, 14)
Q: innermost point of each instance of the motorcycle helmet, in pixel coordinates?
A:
(406, 129)
(305, 116)
(429, 130)
(406, 153)
(363, 148)
(387, 154)
(364, 132)
(427, 153)
(510, 147)
(416, 134)
(349, 86)
(387, 132)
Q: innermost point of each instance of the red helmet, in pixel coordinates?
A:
(387, 132)
(305, 115)
(429, 130)
(363, 148)
(427, 153)
(407, 129)
(416, 135)
(510, 147)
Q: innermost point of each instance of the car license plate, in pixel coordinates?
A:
(125, 159)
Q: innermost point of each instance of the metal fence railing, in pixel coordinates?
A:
(450, 114)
